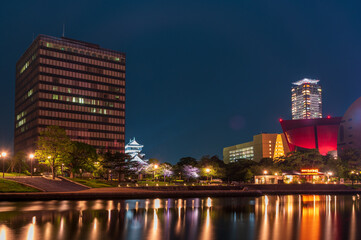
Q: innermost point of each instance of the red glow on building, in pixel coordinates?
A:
(328, 116)
(281, 119)
(320, 133)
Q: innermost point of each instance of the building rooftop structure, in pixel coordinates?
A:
(306, 80)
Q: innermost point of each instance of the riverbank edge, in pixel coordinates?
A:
(47, 196)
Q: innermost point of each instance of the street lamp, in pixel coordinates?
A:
(3, 154)
(328, 176)
(31, 156)
(155, 167)
(265, 172)
(207, 171)
(352, 173)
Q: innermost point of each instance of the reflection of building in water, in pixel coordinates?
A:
(268, 217)
(311, 220)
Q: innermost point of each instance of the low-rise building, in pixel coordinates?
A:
(264, 145)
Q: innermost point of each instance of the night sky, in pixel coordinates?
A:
(200, 75)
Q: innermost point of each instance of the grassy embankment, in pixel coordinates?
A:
(97, 183)
(93, 183)
(8, 186)
(14, 174)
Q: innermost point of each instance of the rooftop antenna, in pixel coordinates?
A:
(63, 30)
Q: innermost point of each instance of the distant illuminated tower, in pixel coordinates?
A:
(306, 99)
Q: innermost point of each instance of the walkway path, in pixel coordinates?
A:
(49, 185)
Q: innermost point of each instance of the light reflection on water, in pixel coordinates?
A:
(301, 217)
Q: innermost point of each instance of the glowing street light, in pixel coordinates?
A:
(31, 156)
(265, 172)
(352, 173)
(328, 176)
(155, 167)
(208, 171)
(3, 155)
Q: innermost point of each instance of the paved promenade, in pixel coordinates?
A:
(49, 185)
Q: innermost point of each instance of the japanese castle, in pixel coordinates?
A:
(134, 149)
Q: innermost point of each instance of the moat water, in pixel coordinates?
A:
(302, 217)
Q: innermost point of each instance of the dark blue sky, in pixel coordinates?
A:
(201, 75)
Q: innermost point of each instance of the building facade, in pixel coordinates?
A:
(306, 99)
(349, 136)
(318, 134)
(76, 85)
(264, 145)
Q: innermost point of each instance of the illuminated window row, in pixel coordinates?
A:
(82, 110)
(67, 122)
(63, 46)
(80, 76)
(93, 87)
(78, 100)
(78, 96)
(81, 68)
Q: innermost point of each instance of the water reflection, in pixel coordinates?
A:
(269, 217)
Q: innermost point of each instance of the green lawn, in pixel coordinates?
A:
(11, 186)
(13, 174)
(93, 183)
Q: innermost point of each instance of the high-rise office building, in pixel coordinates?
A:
(306, 99)
(76, 85)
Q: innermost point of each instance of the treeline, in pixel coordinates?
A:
(58, 155)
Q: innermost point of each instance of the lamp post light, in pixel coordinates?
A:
(31, 156)
(357, 178)
(155, 167)
(328, 176)
(52, 168)
(3, 155)
(352, 173)
(207, 171)
(62, 172)
(265, 172)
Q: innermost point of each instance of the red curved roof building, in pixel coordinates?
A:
(319, 133)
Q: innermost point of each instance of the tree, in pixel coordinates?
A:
(297, 160)
(212, 167)
(118, 162)
(178, 168)
(166, 170)
(187, 161)
(190, 172)
(240, 170)
(18, 162)
(81, 156)
(351, 159)
(53, 147)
